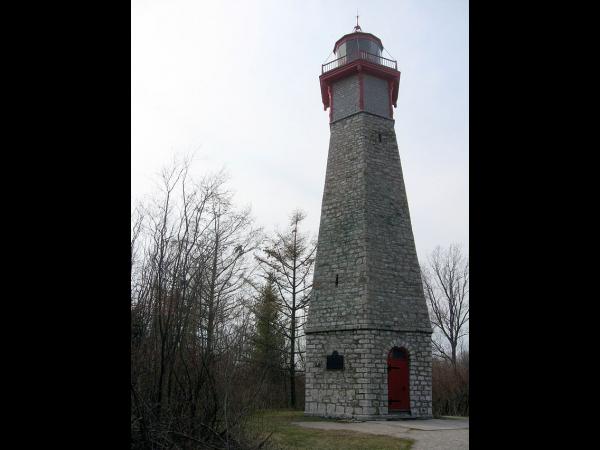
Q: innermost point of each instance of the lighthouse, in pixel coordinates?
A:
(368, 334)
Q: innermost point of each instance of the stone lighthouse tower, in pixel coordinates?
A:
(368, 335)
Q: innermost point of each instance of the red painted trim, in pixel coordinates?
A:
(349, 69)
(361, 90)
(347, 37)
(395, 89)
(330, 94)
(367, 66)
(391, 90)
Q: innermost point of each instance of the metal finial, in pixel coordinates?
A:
(357, 27)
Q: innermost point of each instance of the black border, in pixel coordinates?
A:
(68, 207)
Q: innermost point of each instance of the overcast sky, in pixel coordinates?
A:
(236, 83)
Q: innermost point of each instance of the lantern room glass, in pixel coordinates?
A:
(352, 48)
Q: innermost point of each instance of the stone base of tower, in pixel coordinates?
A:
(360, 389)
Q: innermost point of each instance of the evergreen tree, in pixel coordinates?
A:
(289, 257)
(269, 344)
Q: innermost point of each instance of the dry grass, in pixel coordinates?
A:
(285, 435)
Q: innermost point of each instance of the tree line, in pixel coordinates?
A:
(217, 312)
(218, 308)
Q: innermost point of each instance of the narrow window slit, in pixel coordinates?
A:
(336, 280)
(379, 135)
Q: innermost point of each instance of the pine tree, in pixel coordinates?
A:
(290, 259)
(269, 343)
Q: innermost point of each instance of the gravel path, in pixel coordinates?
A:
(434, 434)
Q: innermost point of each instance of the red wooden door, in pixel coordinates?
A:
(398, 399)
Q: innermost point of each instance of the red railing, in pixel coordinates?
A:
(376, 59)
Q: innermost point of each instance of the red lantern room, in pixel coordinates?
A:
(359, 77)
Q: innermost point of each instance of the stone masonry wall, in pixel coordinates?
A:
(361, 390)
(395, 290)
(376, 95)
(366, 271)
(342, 252)
(345, 94)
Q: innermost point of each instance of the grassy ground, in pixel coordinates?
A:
(287, 436)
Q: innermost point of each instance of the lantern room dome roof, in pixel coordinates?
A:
(357, 35)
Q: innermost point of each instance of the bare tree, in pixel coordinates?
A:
(190, 314)
(289, 258)
(137, 220)
(446, 286)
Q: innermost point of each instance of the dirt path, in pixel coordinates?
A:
(434, 434)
